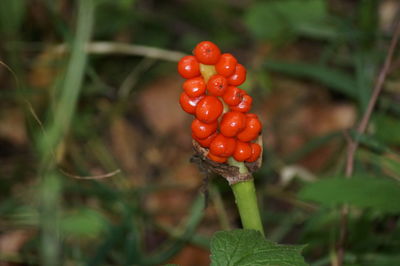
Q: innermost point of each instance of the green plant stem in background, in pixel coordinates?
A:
(246, 200)
(51, 184)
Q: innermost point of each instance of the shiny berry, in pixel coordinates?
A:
(255, 152)
(215, 158)
(207, 53)
(209, 109)
(233, 95)
(238, 77)
(189, 104)
(226, 65)
(205, 143)
(252, 129)
(242, 151)
(232, 123)
(202, 130)
(188, 67)
(194, 87)
(217, 85)
(244, 106)
(223, 146)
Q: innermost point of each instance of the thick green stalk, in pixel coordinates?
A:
(244, 191)
(246, 201)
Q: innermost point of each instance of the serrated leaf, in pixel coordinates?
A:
(249, 248)
(366, 192)
(269, 20)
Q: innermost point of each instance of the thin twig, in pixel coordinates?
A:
(92, 177)
(126, 49)
(133, 77)
(361, 128)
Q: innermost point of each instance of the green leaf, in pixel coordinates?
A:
(387, 129)
(380, 259)
(12, 14)
(249, 247)
(83, 223)
(270, 20)
(332, 78)
(389, 162)
(365, 192)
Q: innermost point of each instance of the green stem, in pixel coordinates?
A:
(244, 191)
(246, 201)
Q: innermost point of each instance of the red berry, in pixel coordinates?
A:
(202, 130)
(239, 76)
(223, 146)
(252, 129)
(189, 104)
(188, 67)
(207, 53)
(217, 85)
(209, 109)
(226, 65)
(233, 95)
(250, 115)
(255, 152)
(242, 151)
(232, 123)
(194, 87)
(205, 143)
(244, 106)
(216, 158)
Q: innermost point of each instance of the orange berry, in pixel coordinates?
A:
(215, 158)
(209, 109)
(255, 152)
(233, 95)
(252, 129)
(188, 67)
(250, 115)
(223, 146)
(202, 130)
(207, 53)
(238, 77)
(194, 87)
(226, 65)
(244, 106)
(232, 123)
(205, 143)
(217, 85)
(189, 104)
(242, 151)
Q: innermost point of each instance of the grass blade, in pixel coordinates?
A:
(332, 78)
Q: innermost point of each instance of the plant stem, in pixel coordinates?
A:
(244, 191)
(361, 128)
(246, 200)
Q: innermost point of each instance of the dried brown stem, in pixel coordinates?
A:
(125, 49)
(361, 128)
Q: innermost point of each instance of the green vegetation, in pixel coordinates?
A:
(94, 151)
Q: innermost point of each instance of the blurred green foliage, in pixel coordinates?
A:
(273, 20)
(344, 50)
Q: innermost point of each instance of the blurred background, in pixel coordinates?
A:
(95, 150)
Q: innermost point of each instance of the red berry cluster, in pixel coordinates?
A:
(222, 121)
